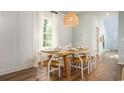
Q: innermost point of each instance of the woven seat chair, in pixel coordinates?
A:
(81, 61)
(52, 63)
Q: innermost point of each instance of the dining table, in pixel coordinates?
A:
(65, 54)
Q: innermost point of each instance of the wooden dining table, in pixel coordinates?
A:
(64, 54)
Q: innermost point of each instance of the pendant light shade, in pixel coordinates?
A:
(71, 19)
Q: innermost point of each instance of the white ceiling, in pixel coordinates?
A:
(93, 12)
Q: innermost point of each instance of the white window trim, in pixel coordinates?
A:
(42, 32)
(42, 16)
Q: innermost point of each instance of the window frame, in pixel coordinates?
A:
(52, 34)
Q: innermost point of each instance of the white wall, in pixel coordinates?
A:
(121, 38)
(25, 38)
(19, 33)
(85, 33)
(8, 41)
(64, 34)
(15, 41)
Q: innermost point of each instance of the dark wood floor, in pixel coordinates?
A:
(107, 70)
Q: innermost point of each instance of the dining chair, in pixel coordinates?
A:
(80, 61)
(50, 62)
(93, 60)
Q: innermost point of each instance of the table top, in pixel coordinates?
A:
(63, 52)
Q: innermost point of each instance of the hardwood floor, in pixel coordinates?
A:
(107, 70)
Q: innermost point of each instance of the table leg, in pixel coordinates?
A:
(66, 66)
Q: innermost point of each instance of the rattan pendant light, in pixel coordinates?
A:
(71, 19)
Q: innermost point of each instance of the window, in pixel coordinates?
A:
(47, 28)
(47, 34)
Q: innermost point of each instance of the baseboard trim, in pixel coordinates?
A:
(14, 69)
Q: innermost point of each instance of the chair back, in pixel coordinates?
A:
(83, 54)
(40, 57)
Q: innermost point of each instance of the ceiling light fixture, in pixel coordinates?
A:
(107, 14)
(71, 19)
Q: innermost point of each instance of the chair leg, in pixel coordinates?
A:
(48, 73)
(82, 72)
(88, 67)
(59, 71)
(69, 68)
(76, 65)
(38, 72)
(95, 63)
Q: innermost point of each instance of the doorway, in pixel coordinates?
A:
(107, 34)
(111, 29)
